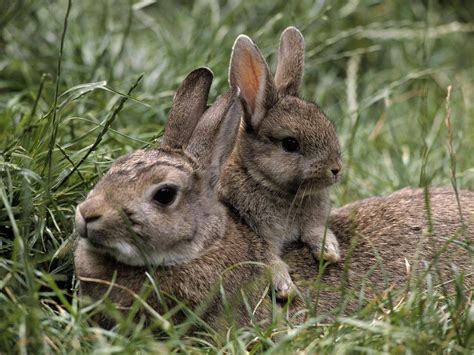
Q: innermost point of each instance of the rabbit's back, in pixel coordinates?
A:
(386, 240)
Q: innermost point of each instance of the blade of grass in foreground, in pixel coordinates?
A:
(54, 110)
(108, 122)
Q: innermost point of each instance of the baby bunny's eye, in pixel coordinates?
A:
(290, 145)
(165, 195)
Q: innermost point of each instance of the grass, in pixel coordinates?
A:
(83, 82)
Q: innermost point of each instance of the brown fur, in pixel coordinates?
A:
(281, 194)
(195, 283)
(391, 228)
(379, 236)
(290, 62)
(190, 104)
(379, 233)
(187, 244)
(202, 241)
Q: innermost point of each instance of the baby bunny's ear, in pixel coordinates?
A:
(290, 62)
(189, 103)
(250, 73)
(216, 133)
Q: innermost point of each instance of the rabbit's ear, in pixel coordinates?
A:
(216, 133)
(249, 72)
(189, 103)
(290, 62)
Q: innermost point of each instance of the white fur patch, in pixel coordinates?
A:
(131, 255)
(127, 254)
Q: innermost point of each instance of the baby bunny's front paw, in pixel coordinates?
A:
(281, 280)
(331, 251)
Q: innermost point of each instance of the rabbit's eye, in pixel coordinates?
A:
(165, 195)
(290, 145)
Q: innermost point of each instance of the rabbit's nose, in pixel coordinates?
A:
(91, 218)
(87, 213)
(81, 225)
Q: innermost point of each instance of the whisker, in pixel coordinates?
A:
(291, 208)
(302, 199)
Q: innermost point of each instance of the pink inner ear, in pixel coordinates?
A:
(250, 73)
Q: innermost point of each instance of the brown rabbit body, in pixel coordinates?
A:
(158, 211)
(286, 156)
(385, 244)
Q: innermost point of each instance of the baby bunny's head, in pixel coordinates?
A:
(287, 143)
(159, 207)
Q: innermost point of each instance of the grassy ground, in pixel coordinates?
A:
(83, 85)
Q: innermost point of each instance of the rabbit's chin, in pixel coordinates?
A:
(121, 251)
(127, 253)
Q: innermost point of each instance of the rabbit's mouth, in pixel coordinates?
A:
(95, 245)
(307, 187)
(314, 185)
(122, 251)
(133, 252)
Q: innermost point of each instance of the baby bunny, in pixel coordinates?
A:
(286, 156)
(158, 210)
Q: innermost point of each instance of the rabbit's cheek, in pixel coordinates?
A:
(295, 186)
(100, 242)
(279, 174)
(124, 252)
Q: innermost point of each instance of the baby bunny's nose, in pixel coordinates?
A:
(336, 167)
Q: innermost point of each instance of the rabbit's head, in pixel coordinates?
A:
(287, 143)
(159, 207)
